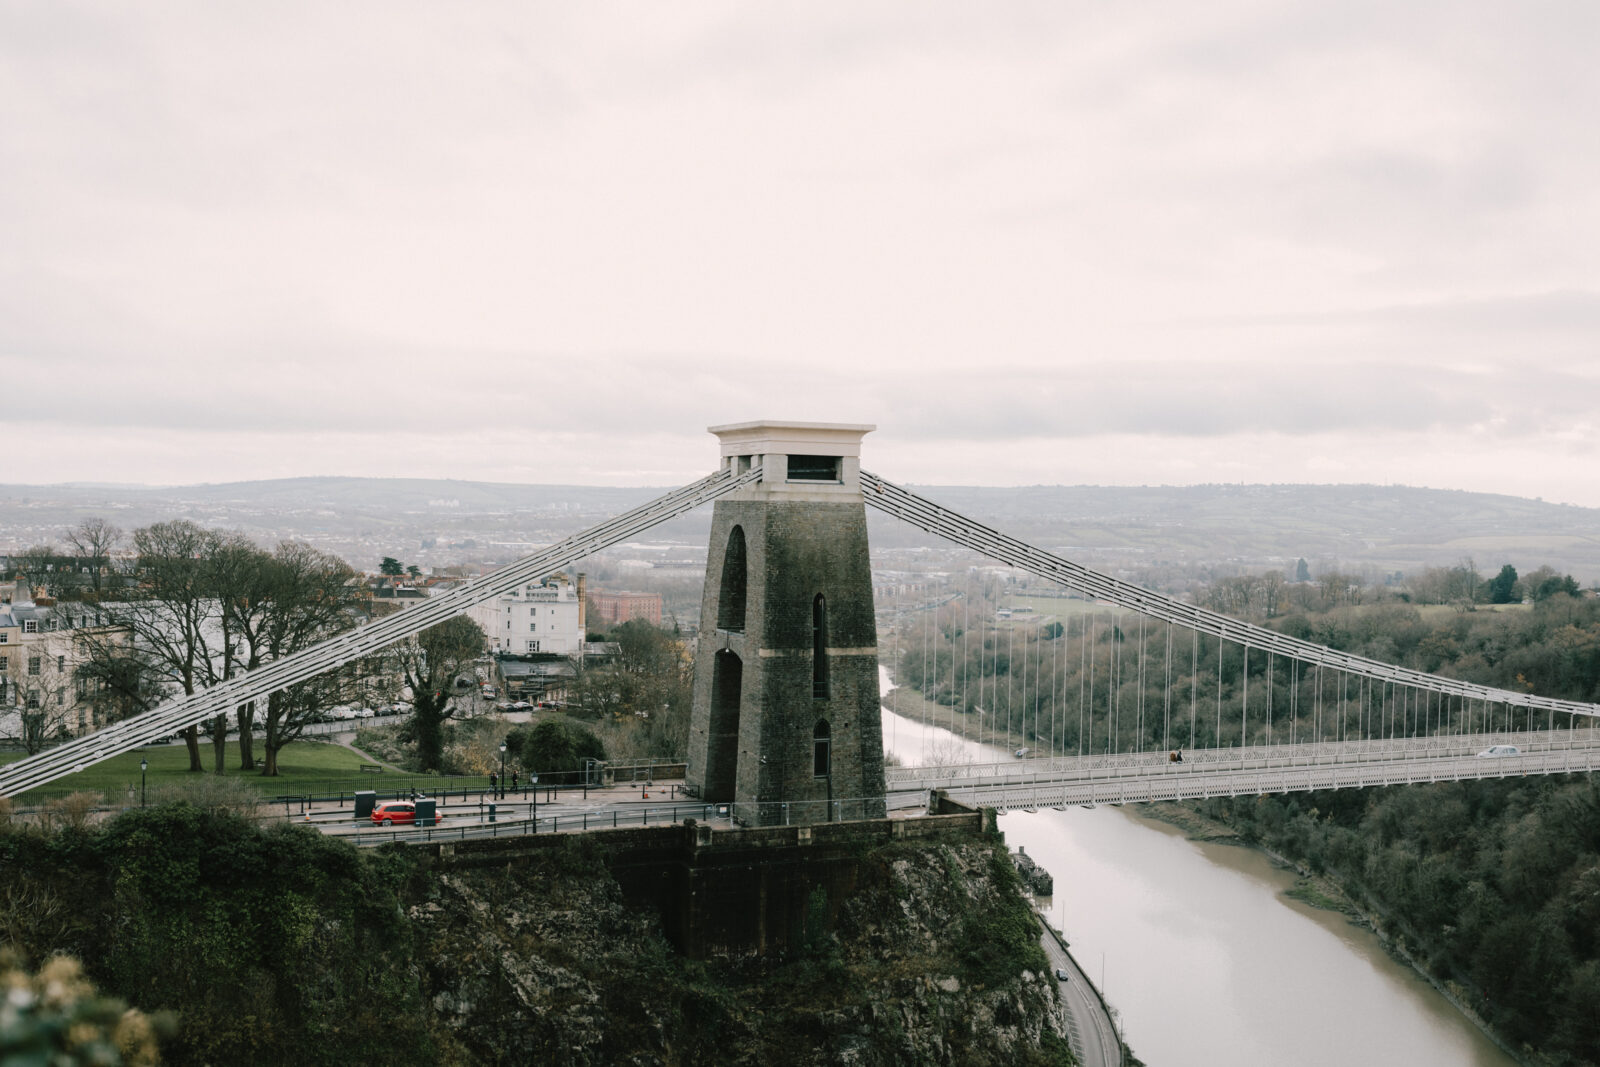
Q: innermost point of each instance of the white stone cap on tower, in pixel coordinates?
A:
(792, 438)
(770, 444)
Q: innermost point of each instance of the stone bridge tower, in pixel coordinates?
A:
(786, 724)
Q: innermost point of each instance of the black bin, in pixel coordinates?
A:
(366, 800)
(426, 812)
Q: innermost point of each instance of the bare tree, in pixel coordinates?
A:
(174, 618)
(285, 602)
(44, 688)
(116, 677)
(35, 568)
(93, 541)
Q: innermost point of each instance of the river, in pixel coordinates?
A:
(1203, 956)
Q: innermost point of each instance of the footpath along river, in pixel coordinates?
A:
(1205, 959)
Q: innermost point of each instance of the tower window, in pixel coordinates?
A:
(821, 754)
(819, 648)
(731, 595)
(813, 468)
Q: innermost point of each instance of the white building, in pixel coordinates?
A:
(544, 616)
(41, 648)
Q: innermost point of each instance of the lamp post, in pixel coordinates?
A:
(144, 765)
(502, 770)
(533, 780)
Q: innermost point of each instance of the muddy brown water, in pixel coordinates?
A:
(1204, 957)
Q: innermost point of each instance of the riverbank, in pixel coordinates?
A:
(1327, 893)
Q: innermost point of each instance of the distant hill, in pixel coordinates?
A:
(404, 494)
(1383, 527)
(1380, 528)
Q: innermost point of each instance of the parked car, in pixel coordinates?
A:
(396, 812)
(1499, 750)
(520, 705)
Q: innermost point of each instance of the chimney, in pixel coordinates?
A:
(583, 603)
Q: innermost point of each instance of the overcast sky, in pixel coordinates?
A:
(1065, 242)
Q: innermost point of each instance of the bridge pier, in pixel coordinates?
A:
(786, 722)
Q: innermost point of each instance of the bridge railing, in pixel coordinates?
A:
(1250, 777)
(1317, 753)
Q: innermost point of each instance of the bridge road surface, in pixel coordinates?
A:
(1093, 1037)
(630, 805)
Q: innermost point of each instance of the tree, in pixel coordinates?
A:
(1547, 582)
(43, 685)
(391, 567)
(644, 694)
(172, 616)
(429, 663)
(555, 746)
(1503, 586)
(414, 571)
(1302, 572)
(115, 676)
(279, 604)
(92, 541)
(36, 567)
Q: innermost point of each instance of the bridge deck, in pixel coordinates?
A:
(1143, 777)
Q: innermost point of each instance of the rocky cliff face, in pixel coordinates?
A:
(933, 959)
(284, 946)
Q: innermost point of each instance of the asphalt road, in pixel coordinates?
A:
(1093, 1037)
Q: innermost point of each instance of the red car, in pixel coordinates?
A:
(392, 812)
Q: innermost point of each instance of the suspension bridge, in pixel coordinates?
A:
(1141, 665)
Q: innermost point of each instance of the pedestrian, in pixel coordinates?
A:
(494, 782)
(513, 781)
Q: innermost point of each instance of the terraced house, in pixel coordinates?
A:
(42, 645)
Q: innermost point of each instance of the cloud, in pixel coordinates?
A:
(587, 233)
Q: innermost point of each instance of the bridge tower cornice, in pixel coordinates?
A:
(798, 461)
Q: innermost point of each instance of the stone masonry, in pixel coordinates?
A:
(786, 723)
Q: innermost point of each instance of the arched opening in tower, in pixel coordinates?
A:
(821, 750)
(722, 753)
(819, 648)
(731, 593)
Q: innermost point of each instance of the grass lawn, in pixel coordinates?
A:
(304, 767)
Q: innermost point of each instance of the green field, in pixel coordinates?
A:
(304, 767)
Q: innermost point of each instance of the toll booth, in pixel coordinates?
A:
(366, 800)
